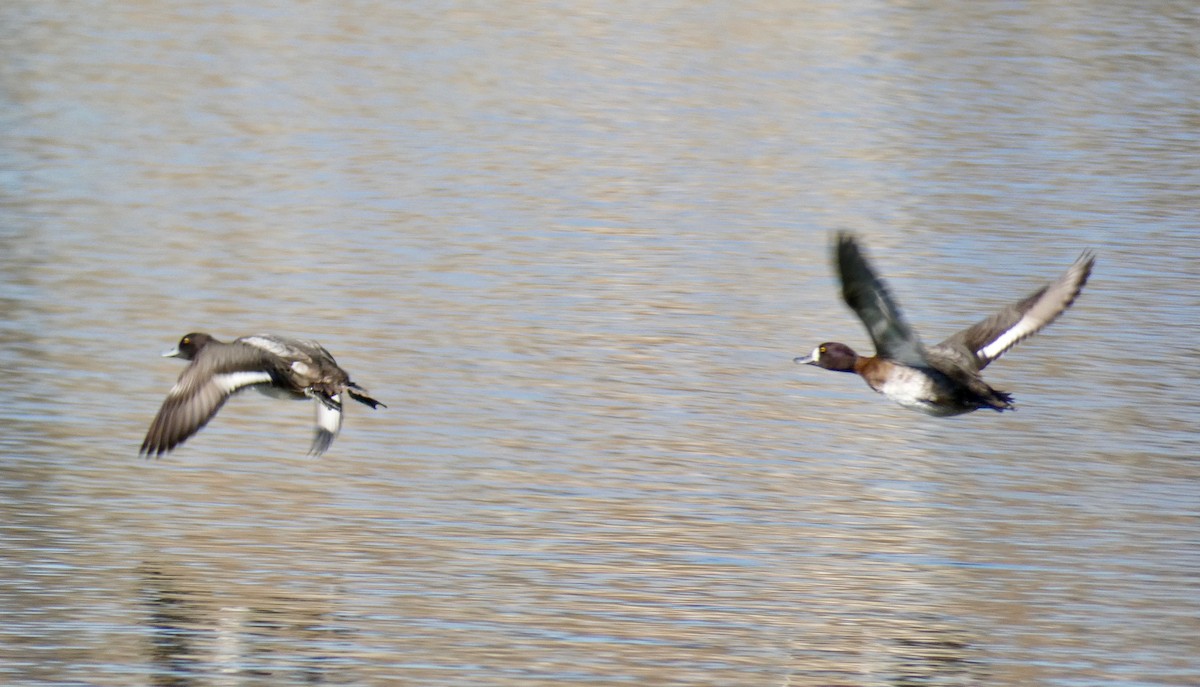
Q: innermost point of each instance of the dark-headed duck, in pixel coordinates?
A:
(943, 379)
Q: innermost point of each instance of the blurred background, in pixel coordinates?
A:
(574, 247)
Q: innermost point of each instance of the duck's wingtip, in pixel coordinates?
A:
(845, 240)
(1081, 271)
(322, 440)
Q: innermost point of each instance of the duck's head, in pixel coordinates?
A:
(189, 346)
(830, 355)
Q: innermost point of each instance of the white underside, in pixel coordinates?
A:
(914, 390)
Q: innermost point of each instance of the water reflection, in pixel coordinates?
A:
(201, 636)
(898, 651)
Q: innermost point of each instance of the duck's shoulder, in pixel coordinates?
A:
(270, 344)
(955, 362)
(301, 360)
(285, 348)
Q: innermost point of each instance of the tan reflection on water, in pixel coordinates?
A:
(597, 577)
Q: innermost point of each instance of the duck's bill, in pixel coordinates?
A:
(173, 353)
(810, 359)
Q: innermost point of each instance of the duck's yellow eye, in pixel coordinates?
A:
(187, 340)
(822, 349)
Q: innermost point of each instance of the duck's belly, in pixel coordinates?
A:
(915, 389)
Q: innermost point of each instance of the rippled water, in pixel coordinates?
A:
(574, 248)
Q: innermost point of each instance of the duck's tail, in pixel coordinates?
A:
(359, 394)
(1001, 401)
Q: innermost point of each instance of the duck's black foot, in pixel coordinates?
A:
(328, 401)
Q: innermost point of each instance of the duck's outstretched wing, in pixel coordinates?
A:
(193, 401)
(989, 339)
(868, 297)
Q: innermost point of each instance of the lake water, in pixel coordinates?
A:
(574, 247)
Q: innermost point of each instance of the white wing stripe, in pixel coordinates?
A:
(1024, 327)
(230, 382)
